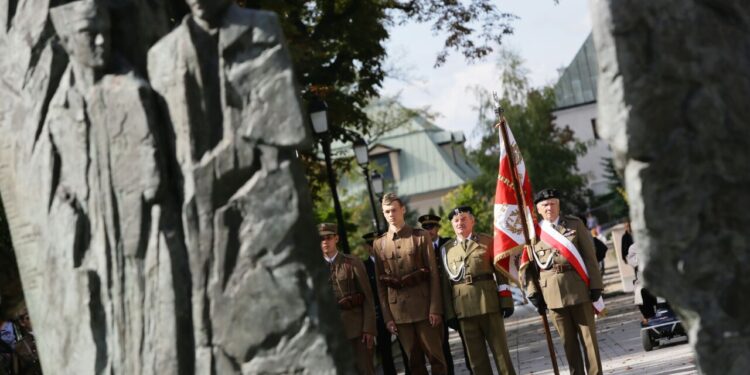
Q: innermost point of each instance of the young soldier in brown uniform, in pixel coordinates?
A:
(564, 291)
(409, 287)
(383, 344)
(352, 292)
(473, 294)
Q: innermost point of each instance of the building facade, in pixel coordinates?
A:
(575, 94)
(420, 161)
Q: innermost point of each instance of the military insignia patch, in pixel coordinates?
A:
(508, 220)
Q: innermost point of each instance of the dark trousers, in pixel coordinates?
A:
(648, 309)
(384, 349)
(447, 350)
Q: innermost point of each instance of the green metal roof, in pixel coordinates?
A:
(577, 85)
(424, 164)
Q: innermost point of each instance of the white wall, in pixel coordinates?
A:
(579, 119)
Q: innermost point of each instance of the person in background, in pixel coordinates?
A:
(642, 297)
(354, 297)
(26, 352)
(591, 221)
(601, 249)
(8, 362)
(626, 241)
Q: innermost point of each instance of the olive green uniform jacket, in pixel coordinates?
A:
(398, 253)
(348, 276)
(567, 288)
(479, 297)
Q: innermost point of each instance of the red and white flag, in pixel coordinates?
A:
(508, 228)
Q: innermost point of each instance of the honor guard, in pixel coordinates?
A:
(383, 342)
(473, 294)
(431, 224)
(409, 287)
(570, 280)
(354, 297)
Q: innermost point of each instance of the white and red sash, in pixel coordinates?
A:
(566, 248)
(569, 251)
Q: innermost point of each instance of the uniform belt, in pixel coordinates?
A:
(559, 268)
(469, 279)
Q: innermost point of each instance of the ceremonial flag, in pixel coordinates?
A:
(508, 228)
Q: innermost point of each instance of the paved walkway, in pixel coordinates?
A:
(619, 341)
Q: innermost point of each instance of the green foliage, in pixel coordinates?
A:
(612, 206)
(466, 195)
(550, 152)
(338, 49)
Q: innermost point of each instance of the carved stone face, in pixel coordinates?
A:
(84, 28)
(207, 9)
(90, 44)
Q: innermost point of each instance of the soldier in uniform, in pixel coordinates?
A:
(383, 343)
(409, 287)
(431, 224)
(355, 299)
(477, 293)
(569, 279)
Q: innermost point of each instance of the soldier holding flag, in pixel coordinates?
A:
(570, 281)
(514, 225)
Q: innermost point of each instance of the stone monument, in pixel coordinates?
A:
(673, 90)
(160, 230)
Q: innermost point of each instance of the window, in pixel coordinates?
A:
(383, 161)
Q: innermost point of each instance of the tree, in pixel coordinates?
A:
(550, 152)
(466, 195)
(337, 48)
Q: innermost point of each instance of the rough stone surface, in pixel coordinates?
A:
(674, 80)
(162, 231)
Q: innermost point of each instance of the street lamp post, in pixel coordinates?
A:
(319, 119)
(361, 152)
(376, 181)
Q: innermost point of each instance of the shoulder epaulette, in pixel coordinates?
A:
(573, 218)
(481, 235)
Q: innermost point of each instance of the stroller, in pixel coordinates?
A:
(664, 326)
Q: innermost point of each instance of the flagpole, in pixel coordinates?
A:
(522, 213)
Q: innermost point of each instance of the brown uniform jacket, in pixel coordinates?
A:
(398, 254)
(567, 288)
(348, 276)
(465, 300)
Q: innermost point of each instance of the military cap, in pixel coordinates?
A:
(459, 210)
(327, 228)
(370, 236)
(429, 220)
(78, 15)
(545, 194)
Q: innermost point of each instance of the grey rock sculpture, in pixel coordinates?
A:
(164, 231)
(673, 91)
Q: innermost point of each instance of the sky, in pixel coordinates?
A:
(546, 35)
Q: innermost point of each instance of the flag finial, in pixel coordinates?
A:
(498, 108)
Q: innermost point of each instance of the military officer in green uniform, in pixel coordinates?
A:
(570, 280)
(477, 293)
(352, 292)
